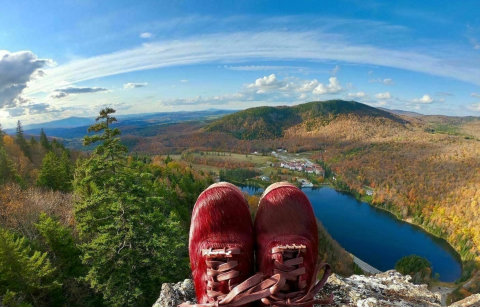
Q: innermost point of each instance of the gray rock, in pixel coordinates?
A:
(389, 289)
(174, 294)
(473, 300)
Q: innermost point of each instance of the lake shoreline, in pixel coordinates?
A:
(407, 220)
(351, 238)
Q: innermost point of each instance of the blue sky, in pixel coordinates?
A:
(70, 58)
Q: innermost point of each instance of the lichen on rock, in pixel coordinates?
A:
(389, 289)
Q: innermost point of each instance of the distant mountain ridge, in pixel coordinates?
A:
(272, 122)
(70, 122)
(402, 112)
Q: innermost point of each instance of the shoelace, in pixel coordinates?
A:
(294, 293)
(221, 269)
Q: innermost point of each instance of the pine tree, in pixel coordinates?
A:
(21, 141)
(66, 172)
(132, 242)
(50, 175)
(25, 274)
(60, 243)
(44, 140)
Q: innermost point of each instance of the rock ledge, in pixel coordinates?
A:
(389, 289)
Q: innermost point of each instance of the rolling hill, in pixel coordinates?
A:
(273, 122)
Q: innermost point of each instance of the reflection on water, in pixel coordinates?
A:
(376, 236)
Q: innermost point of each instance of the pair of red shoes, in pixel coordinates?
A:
(285, 240)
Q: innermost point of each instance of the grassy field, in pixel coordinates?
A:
(262, 163)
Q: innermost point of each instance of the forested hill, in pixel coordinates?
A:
(272, 122)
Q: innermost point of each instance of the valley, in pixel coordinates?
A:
(423, 169)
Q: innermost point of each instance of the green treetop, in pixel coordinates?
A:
(21, 141)
(26, 276)
(44, 140)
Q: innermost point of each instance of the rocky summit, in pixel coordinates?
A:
(382, 290)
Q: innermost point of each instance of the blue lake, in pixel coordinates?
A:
(377, 236)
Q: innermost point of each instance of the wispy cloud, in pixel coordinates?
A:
(265, 68)
(335, 70)
(474, 107)
(358, 95)
(223, 47)
(146, 35)
(386, 81)
(32, 109)
(64, 92)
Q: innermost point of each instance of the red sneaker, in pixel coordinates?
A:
(221, 250)
(287, 244)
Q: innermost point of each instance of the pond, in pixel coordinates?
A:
(377, 236)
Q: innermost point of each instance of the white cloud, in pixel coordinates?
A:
(241, 46)
(146, 35)
(383, 96)
(335, 70)
(16, 70)
(266, 83)
(388, 81)
(302, 96)
(474, 107)
(425, 99)
(357, 95)
(475, 95)
(184, 80)
(128, 86)
(307, 86)
(333, 87)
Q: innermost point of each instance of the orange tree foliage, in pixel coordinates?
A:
(433, 179)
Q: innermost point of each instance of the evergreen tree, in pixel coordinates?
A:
(44, 140)
(132, 242)
(50, 175)
(66, 172)
(7, 169)
(56, 173)
(25, 275)
(21, 141)
(64, 253)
